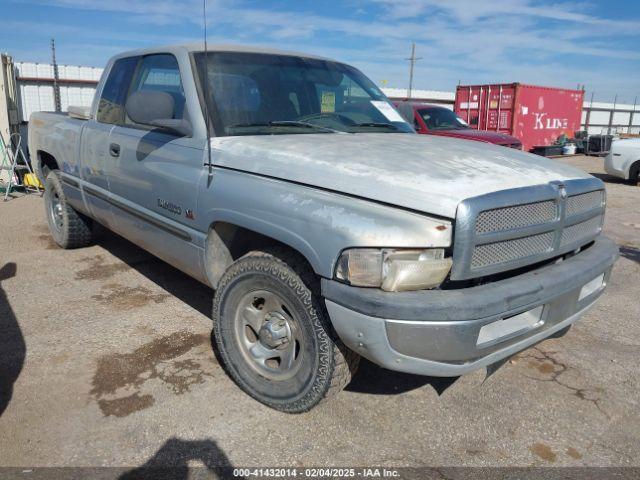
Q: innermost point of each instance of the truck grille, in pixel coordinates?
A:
(585, 201)
(517, 216)
(499, 252)
(581, 231)
(494, 233)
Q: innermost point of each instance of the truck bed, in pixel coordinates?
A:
(56, 133)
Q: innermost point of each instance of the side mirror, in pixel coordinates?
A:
(180, 126)
(156, 109)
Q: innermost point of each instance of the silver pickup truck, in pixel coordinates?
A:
(328, 229)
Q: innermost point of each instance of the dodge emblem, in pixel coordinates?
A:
(563, 191)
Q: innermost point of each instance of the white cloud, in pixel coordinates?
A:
(513, 40)
(470, 11)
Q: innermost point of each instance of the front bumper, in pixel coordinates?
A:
(440, 332)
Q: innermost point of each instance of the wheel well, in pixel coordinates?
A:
(228, 242)
(47, 162)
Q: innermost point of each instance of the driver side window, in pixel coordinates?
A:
(159, 73)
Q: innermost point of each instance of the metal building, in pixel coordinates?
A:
(610, 118)
(35, 84)
(27, 87)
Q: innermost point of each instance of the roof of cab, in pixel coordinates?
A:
(199, 47)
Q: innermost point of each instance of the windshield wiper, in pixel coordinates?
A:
(376, 124)
(296, 123)
(285, 123)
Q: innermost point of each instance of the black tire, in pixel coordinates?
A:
(69, 228)
(634, 174)
(322, 367)
(561, 333)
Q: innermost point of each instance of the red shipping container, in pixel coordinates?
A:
(537, 116)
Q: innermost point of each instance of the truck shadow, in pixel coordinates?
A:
(175, 282)
(630, 253)
(605, 177)
(12, 345)
(375, 380)
(172, 460)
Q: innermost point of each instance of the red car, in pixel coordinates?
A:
(437, 120)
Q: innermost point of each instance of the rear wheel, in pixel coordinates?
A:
(634, 173)
(274, 336)
(69, 228)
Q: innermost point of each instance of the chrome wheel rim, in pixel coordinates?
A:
(268, 335)
(55, 211)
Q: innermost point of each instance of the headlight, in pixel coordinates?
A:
(393, 270)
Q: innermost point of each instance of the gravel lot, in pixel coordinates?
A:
(106, 360)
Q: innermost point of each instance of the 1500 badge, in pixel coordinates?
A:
(172, 207)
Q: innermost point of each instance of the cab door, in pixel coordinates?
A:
(155, 173)
(94, 158)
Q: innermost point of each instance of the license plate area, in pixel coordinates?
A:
(592, 287)
(507, 328)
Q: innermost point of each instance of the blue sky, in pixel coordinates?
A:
(557, 43)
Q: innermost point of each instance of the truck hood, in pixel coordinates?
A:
(422, 172)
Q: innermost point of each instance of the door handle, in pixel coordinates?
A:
(114, 150)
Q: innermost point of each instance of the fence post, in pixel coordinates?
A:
(588, 117)
(615, 101)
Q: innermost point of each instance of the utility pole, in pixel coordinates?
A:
(56, 77)
(412, 61)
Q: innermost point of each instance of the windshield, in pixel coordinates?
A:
(265, 94)
(441, 119)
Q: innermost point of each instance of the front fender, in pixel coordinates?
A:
(317, 223)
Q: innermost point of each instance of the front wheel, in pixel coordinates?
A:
(273, 334)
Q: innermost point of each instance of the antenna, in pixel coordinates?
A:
(206, 94)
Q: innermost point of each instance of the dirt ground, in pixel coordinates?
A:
(106, 360)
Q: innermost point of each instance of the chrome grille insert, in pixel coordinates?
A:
(581, 231)
(496, 233)
(499, 252)
(507, 218)
(584, 202)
